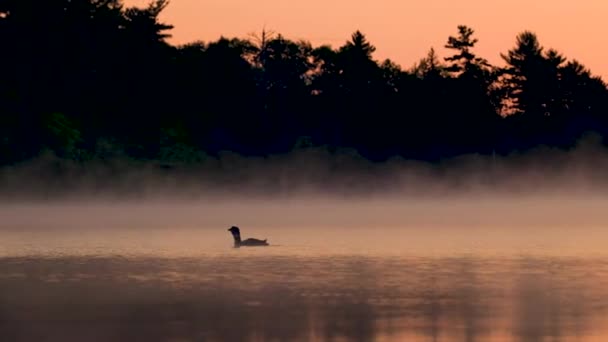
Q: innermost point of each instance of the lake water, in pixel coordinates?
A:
(369, 283)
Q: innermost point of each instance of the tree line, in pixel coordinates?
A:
(95, 79)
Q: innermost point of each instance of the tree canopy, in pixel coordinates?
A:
(81, 74)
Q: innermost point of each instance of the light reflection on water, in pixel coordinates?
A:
(318, 285)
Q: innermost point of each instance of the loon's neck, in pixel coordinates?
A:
(237, 239)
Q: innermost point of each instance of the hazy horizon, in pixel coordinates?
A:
(314, 171)
(312, 188)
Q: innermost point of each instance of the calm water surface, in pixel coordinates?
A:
(314, 284)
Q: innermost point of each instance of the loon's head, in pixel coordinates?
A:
(236, 234)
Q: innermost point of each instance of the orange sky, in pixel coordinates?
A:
(404, 30)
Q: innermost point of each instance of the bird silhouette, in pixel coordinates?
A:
(236, 234)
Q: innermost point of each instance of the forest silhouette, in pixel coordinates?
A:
(94, 79)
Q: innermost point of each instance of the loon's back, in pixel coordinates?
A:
(254, 242)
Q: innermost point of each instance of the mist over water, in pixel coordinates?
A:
(315, 172)
(482, 248)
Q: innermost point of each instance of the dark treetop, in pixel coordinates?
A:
(91, 79)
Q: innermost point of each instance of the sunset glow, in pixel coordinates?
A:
(403, 30)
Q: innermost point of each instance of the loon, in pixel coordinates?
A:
(236, 234)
